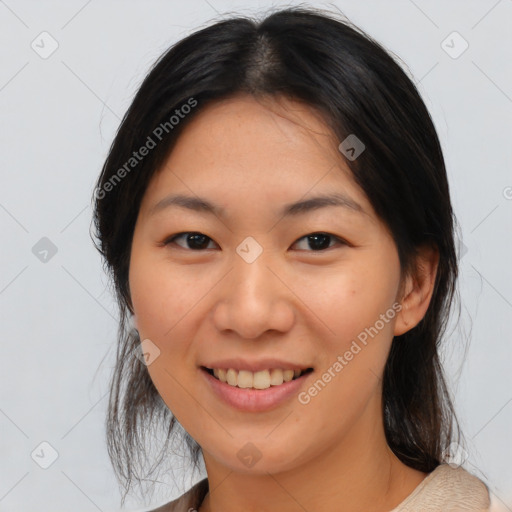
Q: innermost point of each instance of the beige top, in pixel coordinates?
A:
(446, 489)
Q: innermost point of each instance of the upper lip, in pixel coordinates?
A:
(255, 366)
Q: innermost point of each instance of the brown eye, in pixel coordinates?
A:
(194, 241)
(320, 241)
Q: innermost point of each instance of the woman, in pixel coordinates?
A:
(276, 218)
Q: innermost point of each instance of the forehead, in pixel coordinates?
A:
(244, 123)
(270, 150)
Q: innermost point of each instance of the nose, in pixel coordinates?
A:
(253, 299)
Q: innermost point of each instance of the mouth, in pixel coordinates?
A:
(259, 380)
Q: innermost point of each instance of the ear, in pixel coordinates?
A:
(416, 290)
(132, 321)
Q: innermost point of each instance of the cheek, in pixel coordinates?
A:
(162, 299)
(166, 302)
(349, 301)
(357, 308)
(162, 303)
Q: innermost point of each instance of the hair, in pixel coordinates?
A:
(339, 71)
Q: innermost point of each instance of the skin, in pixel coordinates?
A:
(293, 302)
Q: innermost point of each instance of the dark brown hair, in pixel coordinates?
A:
(339, 71)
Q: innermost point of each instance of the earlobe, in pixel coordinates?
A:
(132, 321)
(417, 290)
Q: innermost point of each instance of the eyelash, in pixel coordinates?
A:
(172, 239)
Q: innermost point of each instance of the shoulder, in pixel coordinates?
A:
(447, 488)
(187, 502)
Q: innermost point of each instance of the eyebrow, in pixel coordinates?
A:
(200, 204)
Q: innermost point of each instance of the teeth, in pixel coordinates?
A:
(232, 377)
(288, 375)
(245, 379)
(276, 377)
(261, 380)
(255, 380)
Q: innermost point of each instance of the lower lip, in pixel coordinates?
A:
(255, 400)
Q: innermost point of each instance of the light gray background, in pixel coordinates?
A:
(59, 115)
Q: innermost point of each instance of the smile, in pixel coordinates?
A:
(276, 386)
(263, 379)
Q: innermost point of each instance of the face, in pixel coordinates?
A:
(243, 280)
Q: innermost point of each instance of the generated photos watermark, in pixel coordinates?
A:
(157, 135)
(337, 366)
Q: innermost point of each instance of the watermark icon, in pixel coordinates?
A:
(157, 135)
(249, 455)
(351, 147)
(454, 45)
(44, 250)
(305, 397)
(147, 352)
(507, 193)
(455, 455)
(249, 250)
(45, 45)
(461, 249)
(44, 455)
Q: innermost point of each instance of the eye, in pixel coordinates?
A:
(198, 241)
(195, 241)
(320, 241)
